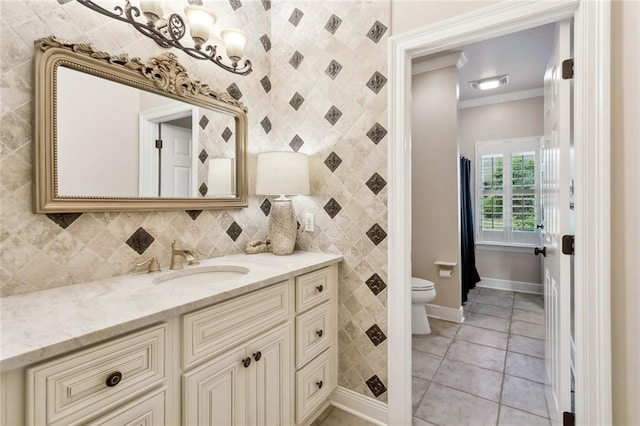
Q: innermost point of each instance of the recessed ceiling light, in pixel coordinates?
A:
(489, 83)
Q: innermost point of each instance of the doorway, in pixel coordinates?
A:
(169, 137)
(493, 364)
(593, 403)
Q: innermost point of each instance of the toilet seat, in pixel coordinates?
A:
(420, 284)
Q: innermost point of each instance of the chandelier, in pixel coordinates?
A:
(167, 32)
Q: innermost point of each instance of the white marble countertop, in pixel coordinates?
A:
(42, 324)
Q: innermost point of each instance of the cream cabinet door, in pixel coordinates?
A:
(271, 379)
(216, 392)
(250, 385)
(146, 411)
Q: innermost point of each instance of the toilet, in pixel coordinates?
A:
(422, 291)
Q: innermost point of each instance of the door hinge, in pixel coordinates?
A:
(568, 419)
(568, 244)
(159, 143)
(567, 69)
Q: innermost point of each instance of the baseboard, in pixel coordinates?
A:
(519, 286)
(359, 405)
(445, 313)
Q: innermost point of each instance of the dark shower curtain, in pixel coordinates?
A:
(470, 274)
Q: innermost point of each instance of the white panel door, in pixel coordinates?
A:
(177, 162)
(555, 181)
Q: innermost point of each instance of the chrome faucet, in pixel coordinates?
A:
(177, 253)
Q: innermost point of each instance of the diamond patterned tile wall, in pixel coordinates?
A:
(339, 55)
(266, 83)
(344, 45)
(266, 206)
(140, 240)
(296, 143)
(61, 245)
(234, 91)
(63, 219)
(333, 24)
(376, 133)
(226, 134)
(333, 69)
(213, 141)
(333, 161)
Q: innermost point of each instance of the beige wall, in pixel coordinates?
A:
(407, 15)
(502, 121)
(625, 219)
(625, 287)
(435, 206)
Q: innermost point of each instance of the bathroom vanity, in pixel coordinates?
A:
(258, 348)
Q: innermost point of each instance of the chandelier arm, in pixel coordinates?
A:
(199, 54)
(176, 31)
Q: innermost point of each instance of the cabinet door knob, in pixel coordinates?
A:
(246, 362)
(319, 384)
(113, 379)
(320, 288)
(257, 356)
(319, 333)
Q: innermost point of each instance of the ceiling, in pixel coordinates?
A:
(522, 55)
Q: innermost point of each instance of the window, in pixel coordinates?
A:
(507, 205)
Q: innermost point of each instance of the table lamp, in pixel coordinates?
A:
(282, 174)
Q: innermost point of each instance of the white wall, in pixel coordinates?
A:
(435, 202)
(492, 122)
(109, 113)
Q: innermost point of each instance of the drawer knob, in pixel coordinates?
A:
(319, 384)
(246, 362)
(257, 356)
(319, 333)
(320, 288)
(113, 379)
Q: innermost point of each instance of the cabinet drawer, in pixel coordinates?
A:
(211, 331)
(313, 333)
(73, 387)
(313, 385)
(146, 411)
(315, 287)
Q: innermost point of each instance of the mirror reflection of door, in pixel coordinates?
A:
(175, 158)
(168, 157)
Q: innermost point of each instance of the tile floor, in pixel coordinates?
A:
(487, 371)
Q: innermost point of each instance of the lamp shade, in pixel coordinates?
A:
(234, 41)
(221, 177)
(156, 7)
(201, 22)
(282, 173)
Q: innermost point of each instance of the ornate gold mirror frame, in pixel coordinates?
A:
(162, 75)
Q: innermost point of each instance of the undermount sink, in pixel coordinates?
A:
(203, 275)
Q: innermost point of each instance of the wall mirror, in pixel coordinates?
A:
(113, 133)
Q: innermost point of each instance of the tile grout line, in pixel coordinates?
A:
(506, 352)
(436, 371)
(522, 378)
